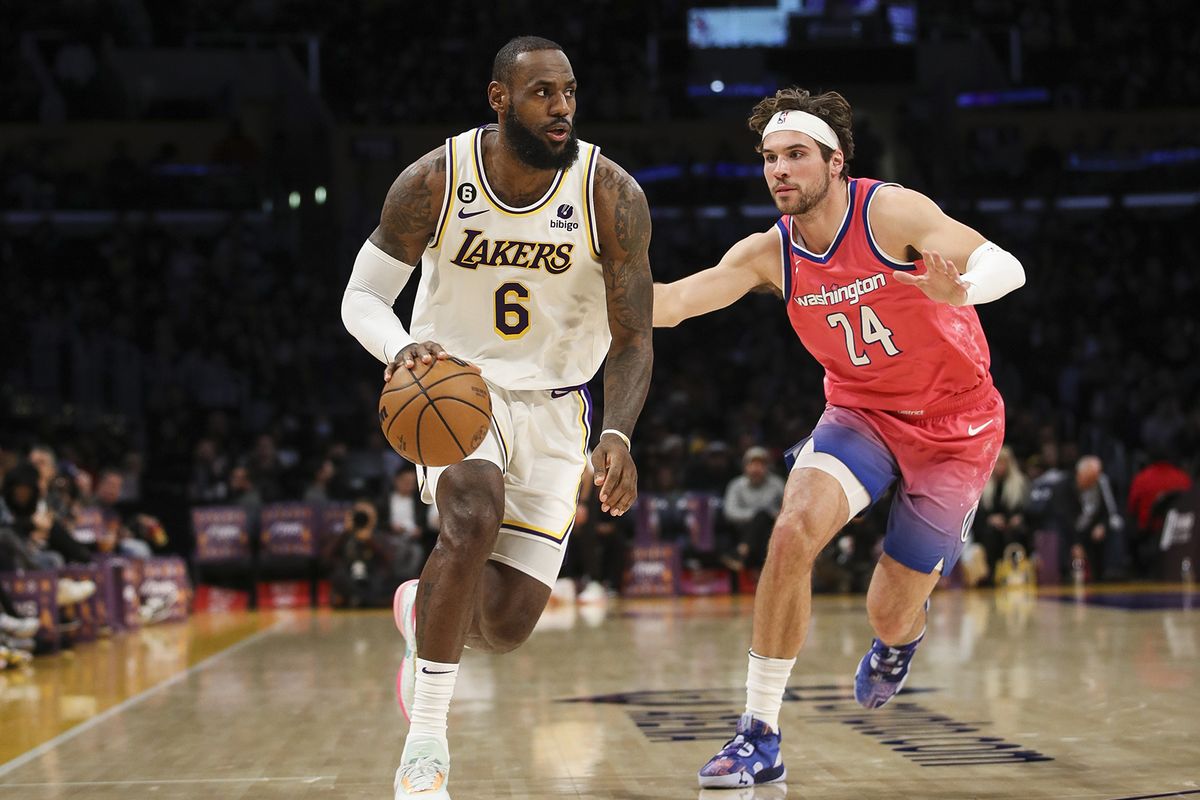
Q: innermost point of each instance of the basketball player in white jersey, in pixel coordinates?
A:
(534, 267)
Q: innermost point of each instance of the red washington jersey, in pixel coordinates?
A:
(883, 345)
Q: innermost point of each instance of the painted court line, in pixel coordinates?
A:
(171, 781)
(83, 727)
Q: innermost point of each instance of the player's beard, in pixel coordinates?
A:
(806, 201)
(533, 150)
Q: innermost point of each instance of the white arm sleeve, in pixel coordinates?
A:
(374, 285)
(992, 272)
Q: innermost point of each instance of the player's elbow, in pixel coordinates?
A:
(351, 313)
(1019, 275)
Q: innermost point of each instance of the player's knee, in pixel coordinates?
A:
(795, 541)
(507, 633)
(891, 624)
(504, 626)
(471, 502)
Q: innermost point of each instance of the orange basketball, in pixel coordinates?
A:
(435, 414)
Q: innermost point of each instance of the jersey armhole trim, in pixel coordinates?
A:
(884, 258)
(589, 202)
(785, 247)
(447, 196)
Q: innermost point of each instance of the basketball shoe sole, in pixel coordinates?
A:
(404, 610)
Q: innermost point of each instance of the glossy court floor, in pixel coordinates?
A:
(1013, 695)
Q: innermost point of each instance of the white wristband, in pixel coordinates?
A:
(619, 435)
(992, 272)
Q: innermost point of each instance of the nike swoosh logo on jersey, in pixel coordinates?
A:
(972, 430)
(462, 213)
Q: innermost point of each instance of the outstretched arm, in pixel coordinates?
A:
(961, 267)
(754, 261)
(623, 219)
(387, 260)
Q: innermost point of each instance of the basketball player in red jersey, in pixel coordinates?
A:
(879, 286)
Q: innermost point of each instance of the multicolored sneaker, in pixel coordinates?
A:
(882, 672)
(424, 770)
(404, 610)
(750, 758)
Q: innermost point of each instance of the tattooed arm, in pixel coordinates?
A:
(386, 261)
(411, 208)
(623, 219)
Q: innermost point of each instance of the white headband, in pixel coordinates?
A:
(803, 122)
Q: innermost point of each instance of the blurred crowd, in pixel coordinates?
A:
(212, 371)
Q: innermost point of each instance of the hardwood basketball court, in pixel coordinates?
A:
(1014, 695)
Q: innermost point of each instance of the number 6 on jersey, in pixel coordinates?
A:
(873, 330)
(512, 318)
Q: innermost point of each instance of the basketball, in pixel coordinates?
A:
(435, 414)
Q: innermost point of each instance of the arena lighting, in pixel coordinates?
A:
(1003, 97)
(320, 195)
(294, 200)
(738, 89)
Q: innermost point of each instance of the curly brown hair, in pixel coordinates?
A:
(830, 106)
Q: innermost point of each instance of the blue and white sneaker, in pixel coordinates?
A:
(883, 670)
(404, 610)
(750, 758)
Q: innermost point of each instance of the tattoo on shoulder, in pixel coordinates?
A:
(630, 213)
(413, 204)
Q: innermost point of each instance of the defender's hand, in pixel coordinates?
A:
(616, 475)
(425, 352)
(941, 282)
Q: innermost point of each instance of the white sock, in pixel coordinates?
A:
(766, 680)
(431, 701)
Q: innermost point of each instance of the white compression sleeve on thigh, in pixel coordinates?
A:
(992, 272)
(766, 680)
(374, 285)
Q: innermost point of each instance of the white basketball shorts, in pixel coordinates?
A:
(539, 441)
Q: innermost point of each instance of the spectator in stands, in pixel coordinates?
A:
(24, 524)
(711, 469)
(408, 517)
(752, 502)
(265, 468)
(209, 466)
(1158, 479)
(361, 562)
(1099, 522)
(127, 531)
(243, 492)
(1000, 518)
(318, 489)
(55, 497)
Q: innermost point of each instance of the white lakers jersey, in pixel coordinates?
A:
(518, 291)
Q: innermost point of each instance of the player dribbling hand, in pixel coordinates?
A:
(425, 352)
